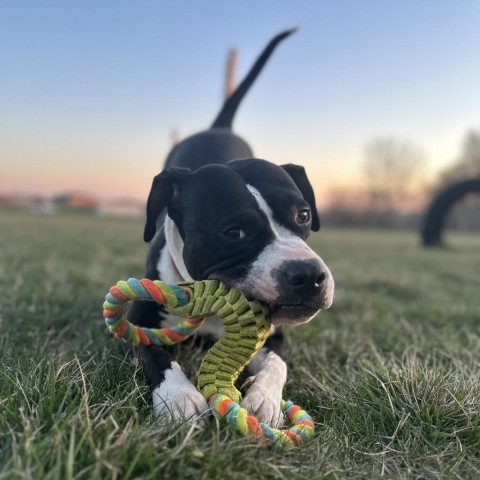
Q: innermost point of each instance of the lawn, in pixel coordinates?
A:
(391, 373)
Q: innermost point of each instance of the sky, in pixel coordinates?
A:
(90, 91)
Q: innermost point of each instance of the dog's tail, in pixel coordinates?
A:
(225, 117)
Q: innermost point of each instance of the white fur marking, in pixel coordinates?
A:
(294, 246)
(171, 269)
(286, 246)
(176, 399)
(175, 247)
(166, 267)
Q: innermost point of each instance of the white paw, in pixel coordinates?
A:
(176, 399)
(264, 403)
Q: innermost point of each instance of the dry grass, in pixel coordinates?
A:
(391, 373)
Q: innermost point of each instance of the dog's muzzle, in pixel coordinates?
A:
(304, 288)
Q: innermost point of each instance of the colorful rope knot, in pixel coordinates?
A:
(246, 328)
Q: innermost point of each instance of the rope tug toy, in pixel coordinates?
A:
(246, 326)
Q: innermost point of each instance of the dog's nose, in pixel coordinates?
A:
(306, 278)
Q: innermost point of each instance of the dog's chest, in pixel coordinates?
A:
(169, 273)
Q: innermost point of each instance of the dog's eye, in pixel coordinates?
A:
(235, 233)
(303, 216)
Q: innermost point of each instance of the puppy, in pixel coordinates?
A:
(216, 212)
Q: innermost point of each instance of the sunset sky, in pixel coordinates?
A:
(90, 91)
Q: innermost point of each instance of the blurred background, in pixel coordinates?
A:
(378, 100)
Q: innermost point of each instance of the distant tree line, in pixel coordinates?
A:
(395, 193)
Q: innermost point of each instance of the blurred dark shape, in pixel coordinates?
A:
(455, 184)
(440, 207)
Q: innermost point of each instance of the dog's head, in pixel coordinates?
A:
(245, 223)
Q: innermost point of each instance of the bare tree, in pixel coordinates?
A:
(392, 169)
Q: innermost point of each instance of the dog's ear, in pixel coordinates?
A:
(299, 176)
(165, 187)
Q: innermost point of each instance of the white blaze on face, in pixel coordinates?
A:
(286, 247)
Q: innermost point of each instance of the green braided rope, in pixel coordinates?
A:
(246, 326)
(246, 329)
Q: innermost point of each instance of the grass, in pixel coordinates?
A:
(390, 374)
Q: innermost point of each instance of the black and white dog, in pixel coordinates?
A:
(217, 213)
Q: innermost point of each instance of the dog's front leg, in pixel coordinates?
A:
(175, 398)
(265, 387)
